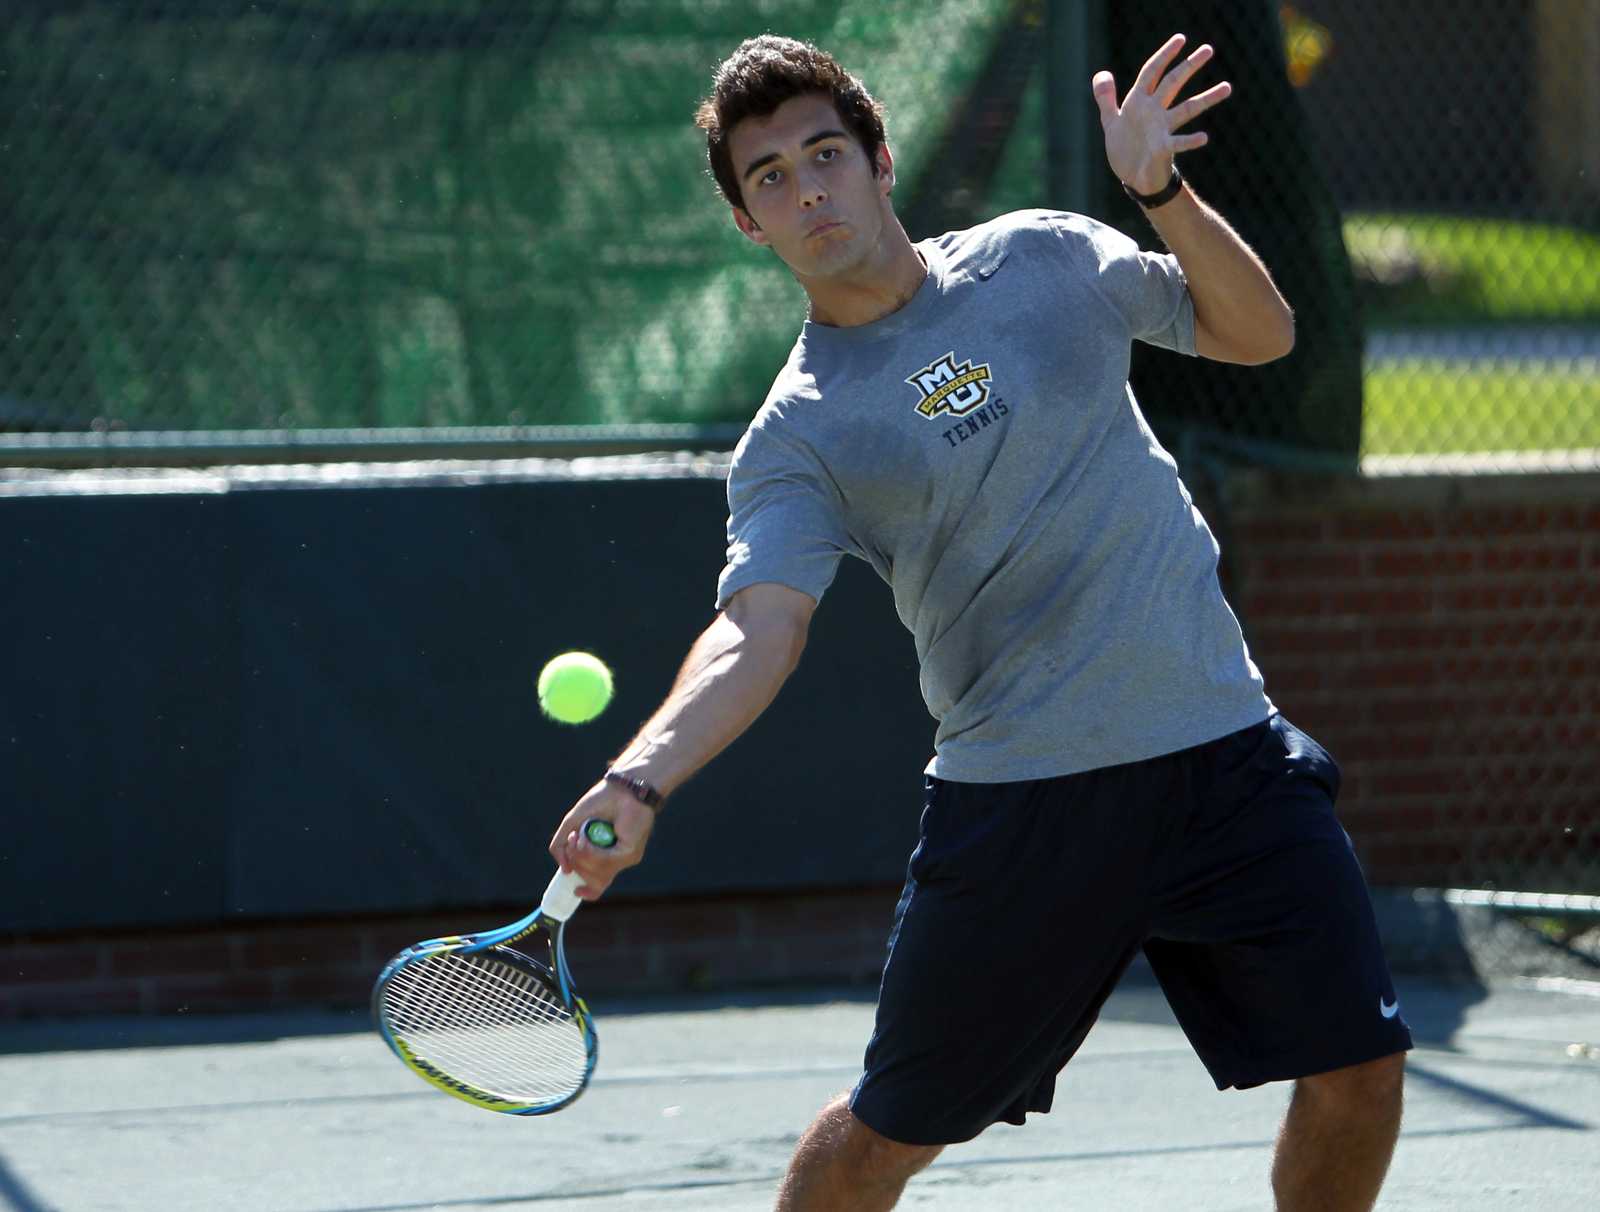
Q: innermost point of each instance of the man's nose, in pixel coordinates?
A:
(811, 192)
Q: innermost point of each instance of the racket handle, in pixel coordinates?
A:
(561, 898)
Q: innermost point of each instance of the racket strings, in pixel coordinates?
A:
(488, 1024)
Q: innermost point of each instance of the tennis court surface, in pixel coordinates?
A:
(698, 1101)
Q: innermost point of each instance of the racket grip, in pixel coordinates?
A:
(561, 898)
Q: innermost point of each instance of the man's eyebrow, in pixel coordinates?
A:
(763, 161)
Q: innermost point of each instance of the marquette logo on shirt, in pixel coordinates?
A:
(947, 386)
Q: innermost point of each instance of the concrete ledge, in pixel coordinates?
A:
(1426, 931)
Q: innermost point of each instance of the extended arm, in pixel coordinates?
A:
(733, 671)
(1239, 315)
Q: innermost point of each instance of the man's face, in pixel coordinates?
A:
(809, 191)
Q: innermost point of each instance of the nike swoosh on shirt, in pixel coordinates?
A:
(1388, 1009)
(988, 271)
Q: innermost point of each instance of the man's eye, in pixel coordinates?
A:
(770, 178)
(828, 153)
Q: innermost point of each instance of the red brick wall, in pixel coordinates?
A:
(617, 947)
(1441, 635)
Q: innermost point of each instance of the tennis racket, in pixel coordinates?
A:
(492, 1025)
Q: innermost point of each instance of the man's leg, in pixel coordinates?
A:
(1337, 1138)
(1268, 949)
(841, 1165)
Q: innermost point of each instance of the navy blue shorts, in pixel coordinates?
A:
(1025, 902)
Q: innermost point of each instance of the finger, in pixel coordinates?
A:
(1150, 74)
(592, 880)
(558, 851)
(595, 877)
(568, 856)
(1198, 104)
(1104, 87)
(1173, 83)
(585, 854)
(1183, 143)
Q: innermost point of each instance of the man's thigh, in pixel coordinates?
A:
(1020, 912)
(1265, 940)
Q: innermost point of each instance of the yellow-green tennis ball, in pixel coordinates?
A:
(574, 687)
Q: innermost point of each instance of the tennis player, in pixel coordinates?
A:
(1110, 774)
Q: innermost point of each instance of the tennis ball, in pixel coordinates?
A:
(574, 687)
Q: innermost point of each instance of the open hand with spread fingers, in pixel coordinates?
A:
(1141, 136)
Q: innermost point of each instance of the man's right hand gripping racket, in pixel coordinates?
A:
(494, 1026)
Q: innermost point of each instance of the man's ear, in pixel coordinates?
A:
(748, 226)
(884, 160)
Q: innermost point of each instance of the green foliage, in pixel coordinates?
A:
(1438, 269)
(1436, 407)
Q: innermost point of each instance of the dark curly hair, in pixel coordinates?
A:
(760, 76)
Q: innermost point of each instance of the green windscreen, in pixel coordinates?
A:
(415, 213)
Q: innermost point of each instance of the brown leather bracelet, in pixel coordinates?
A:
(638, 788)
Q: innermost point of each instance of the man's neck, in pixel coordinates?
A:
(880, 288)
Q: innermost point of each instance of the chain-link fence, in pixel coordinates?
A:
(1462, 145)
(422, 215)
(430, 214)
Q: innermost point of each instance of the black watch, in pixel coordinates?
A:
(1162, 196)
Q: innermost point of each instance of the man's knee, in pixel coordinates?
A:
(874, 1157)
(1372, 1085)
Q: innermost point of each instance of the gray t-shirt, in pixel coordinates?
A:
(981, 449)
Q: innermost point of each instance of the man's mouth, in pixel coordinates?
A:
(826, 225)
